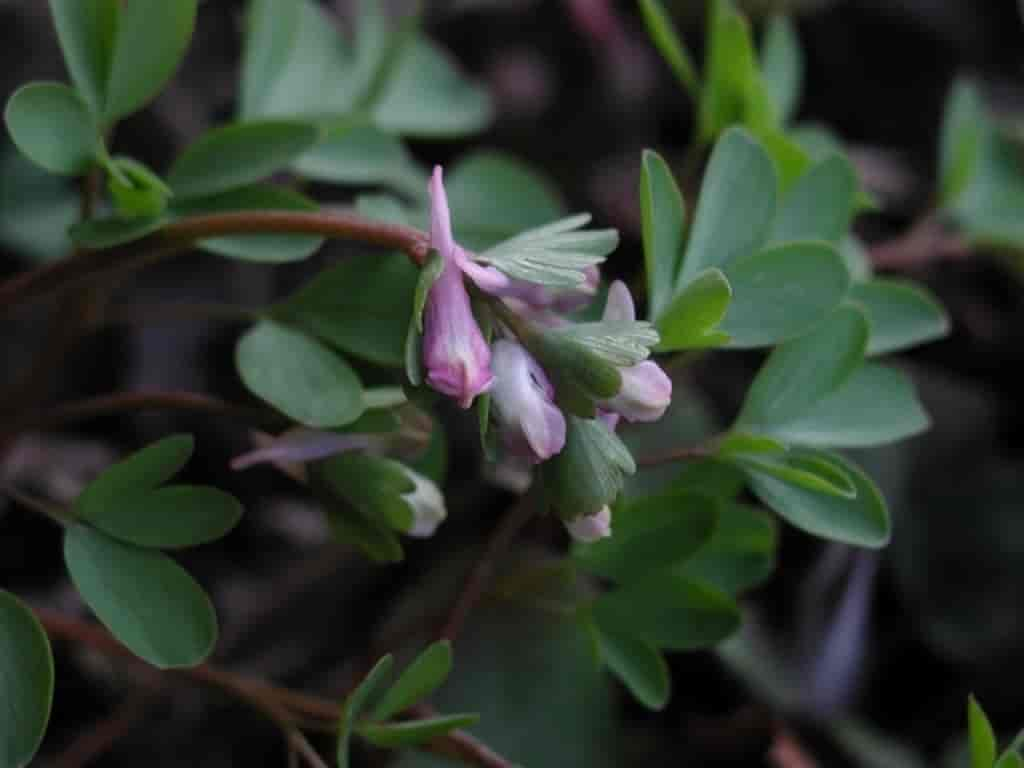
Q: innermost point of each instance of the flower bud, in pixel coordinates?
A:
(590, 528)
(427, 504)
(455, 354)
(646, 389)
(523, 402)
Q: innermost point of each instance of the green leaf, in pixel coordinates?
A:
(980, 735)
(299, 376)
(496, 196)
(591, 451)
(149, 44)
(900, 313)
(413, 347)
(362, 305)
(360, 154)
(819, 205)
(354, 704)
(791, 159)
(782, 292)
(963, 135)
(52, 126)
(650, 534)
(640, 667)
(142, 471)
(143, 597)
(692, 319)
(36, 208)
(374, 538)
(136, 190)
(99, 234)
(410, 732)
(555, 254)
(665, 39)
(421, 678)
(800, 469)
(739, 186)
(426, 97)
(238, 154)
(783, 65)
(875, 406)
(668, 611)
(373, 486)
(663, 217)
(271, 29)
(26, 677)
(734, 89)
(1010, 760)
(86, 30)
(621, 343)
(862, 521)
(804, 371)
(264, 249)
(174, 517)
(740, 553)
(855, 256)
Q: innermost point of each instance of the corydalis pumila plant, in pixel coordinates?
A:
(523, 399)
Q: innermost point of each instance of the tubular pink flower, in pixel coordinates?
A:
(646, 390)
(298, 446)
(523, 399)
(590, 528)
(455, 354)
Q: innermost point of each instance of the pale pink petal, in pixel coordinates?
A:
(590, 528)
(299, 446)
(620, 308)
(645, 395)
(522, 398)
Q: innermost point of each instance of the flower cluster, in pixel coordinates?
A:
(524, 396)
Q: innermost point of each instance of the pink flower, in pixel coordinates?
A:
(523, 399)
(455, 354)
(297, 446)
(646, 391)
(590, 528)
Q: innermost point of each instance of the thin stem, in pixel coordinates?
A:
(280, 705)
(47, 509)
(480, 577)
(679, 454)
(130, 402)
(180, 235)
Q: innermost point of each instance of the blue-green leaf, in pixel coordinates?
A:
(52, 126)
(901, 314)
(639, 665)
(783, 65)
(663, 219)
(424, 675)
(26, 672)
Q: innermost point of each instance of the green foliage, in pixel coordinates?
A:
(592, 451)
(135, 189)
(235, 155)
(555, 254)
(143, 597)
(639, 665)
(26, 669)
(982, 739)
(651, 534)
(782, 65)
(692, 319)
(109, 232)
(427, 671)
(298, 375)
(668, 611)
(266, 249)
(900, 313)
(363, 305)
(36, 208)
(663, 226)
(52, 126)
(659, 27)
(120, 55)
(740, 553)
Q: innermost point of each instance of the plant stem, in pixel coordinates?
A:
(279, 704)
(180, 235)
(129, 402)
(480, 577)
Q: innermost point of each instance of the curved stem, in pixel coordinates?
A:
(180, 235)
(129, 402)
(279, 704)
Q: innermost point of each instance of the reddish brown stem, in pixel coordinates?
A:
(182, 234)
(129, 402)
(279, 704)
(480, 577)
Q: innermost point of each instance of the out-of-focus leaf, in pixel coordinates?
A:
(26, 669)
(980, 735)
(901, 314)
(740, 553)
(52, 126)
(143, 597)
(640, 667)
(410, 732)
(783, 66)
(668, 43)
(663, 220)
(86, 31)
(425, 674)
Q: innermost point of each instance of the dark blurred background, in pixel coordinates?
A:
(848, 659)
